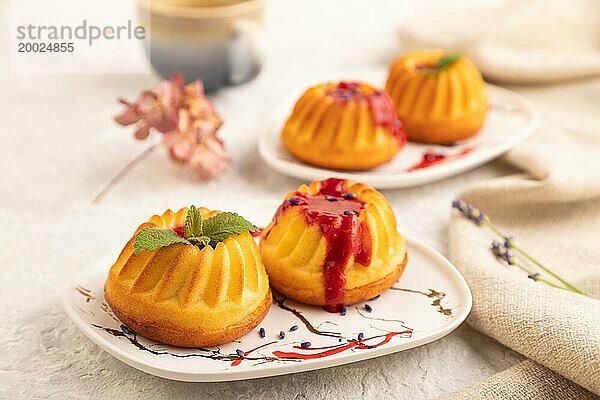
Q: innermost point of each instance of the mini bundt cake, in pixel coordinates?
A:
(333, 243)
(190, 279)
(440, 97)
(345, 126)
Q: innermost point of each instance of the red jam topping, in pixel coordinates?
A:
(429, 68)
(432, 158)
(346, 91)
(429, 158)
(180, 230)
(382, 107)
(336, 212)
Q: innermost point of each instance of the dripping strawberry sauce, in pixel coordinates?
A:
(336, 212)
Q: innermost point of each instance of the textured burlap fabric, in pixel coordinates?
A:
(553, 210)
(527, 380)
(518, 41)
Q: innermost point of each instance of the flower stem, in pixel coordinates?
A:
(529, 273)
(123, 172)
(549, 271)
(495, 230)
(568, 285)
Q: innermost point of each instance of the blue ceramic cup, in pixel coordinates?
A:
(218, 41)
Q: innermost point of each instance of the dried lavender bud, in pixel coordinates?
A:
(534, 276)
(293, 328)
(305, 345)
(125, 330)
(331, 198)
(472, 213)
(349, 196)
(509, 242)
(459, 205)
(502, 253)
(281, 335)
(293, 201)
(262, 332)
(498, 249)
(368, 308)
(240, 353)
(343, 311)
(480, 219)
(361, 336)
(348, 212)
(475, 215)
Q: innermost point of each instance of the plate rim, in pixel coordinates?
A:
(228, 375)
(302, 170)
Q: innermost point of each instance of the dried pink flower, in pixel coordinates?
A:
(187, 120)
(195, 145)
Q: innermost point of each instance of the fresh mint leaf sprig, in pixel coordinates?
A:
(153, 238)
(442, 64)
(193, 223)
(223, 225)
(197, 231)
(447, 60)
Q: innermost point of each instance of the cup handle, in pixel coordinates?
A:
(244, 52)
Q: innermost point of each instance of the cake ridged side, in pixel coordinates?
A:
(337, 134)
(294, 251)
(188, 288)
(441, 106)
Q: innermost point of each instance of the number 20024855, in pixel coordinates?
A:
(26, 47)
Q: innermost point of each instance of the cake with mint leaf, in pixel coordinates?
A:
(439, 96)
(191, 278)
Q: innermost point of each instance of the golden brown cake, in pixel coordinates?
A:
(333, 243)
(440, 97)
(345, 125)
(200, 290)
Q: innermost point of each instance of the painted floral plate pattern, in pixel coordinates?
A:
(429, 301)
(511, 119)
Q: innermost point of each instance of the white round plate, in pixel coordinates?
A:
(429, 301)
(511, 119)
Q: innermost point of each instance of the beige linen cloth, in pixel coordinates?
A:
(552, 208)
(518, 41)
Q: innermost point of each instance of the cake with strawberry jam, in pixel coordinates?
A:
(333, 243)
(191, 278)
(345, 125)
(440, 97)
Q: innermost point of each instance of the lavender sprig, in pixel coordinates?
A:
(509, 242)
(502, 250)
(504, 254)
(472, 213)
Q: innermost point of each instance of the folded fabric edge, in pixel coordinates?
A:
(561, 333)
(526, 380)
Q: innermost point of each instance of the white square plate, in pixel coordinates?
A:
(429, 301)
(511, 118)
